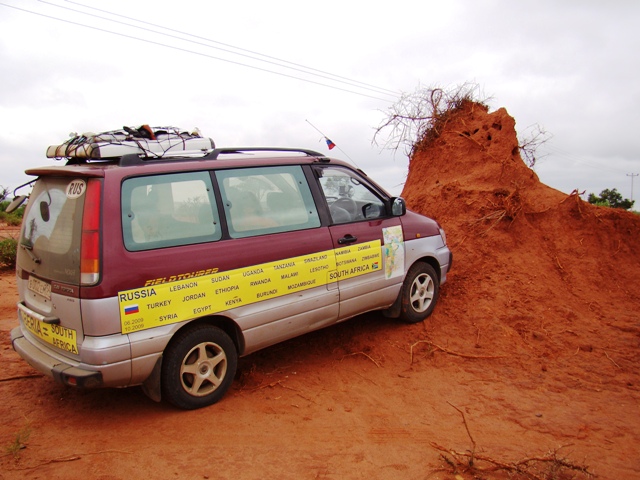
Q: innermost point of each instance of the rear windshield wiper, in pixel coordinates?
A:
(28, 249)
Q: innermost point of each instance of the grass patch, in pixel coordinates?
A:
(20, 441)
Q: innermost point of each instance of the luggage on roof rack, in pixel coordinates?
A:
(144, 140)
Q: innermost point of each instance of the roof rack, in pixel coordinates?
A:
(135, 159)
(231, 150)
(112, 145)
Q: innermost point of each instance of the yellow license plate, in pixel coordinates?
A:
(55, 335)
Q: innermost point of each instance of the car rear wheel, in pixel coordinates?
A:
(419, 293)
(198, 367)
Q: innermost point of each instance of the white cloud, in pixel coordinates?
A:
(570, 67)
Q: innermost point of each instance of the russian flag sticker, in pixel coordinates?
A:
(131, 309)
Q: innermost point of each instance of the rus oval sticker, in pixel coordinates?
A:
(76, 188)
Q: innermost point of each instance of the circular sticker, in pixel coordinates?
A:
(76, 188)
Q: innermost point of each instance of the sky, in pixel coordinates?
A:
(289, 73)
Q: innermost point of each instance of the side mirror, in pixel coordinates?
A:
(398, 207)
(17, 201)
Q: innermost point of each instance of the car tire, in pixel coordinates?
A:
(419, 293)
(198, 367)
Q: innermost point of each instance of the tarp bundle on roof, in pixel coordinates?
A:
(144, 140)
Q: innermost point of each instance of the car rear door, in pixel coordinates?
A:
(49, 264)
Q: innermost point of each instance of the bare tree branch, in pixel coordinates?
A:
(530, 144)
(420, 116)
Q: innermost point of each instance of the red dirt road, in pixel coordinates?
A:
(535, 345)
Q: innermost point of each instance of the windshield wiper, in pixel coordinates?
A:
(28, 249)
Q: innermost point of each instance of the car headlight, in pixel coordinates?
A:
(443, 235)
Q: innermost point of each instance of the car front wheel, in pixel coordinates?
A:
(198, 367)
(419, 293)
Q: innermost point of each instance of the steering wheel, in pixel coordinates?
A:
(348, 204)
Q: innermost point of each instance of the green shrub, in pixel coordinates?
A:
(8, 252)
(12, 219)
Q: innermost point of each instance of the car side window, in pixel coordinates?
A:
(264, 200)
(169, 210)
(348, 198)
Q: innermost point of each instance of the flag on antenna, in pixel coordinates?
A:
(330, 144)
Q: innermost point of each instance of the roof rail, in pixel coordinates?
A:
(231, 150)
(135, 159)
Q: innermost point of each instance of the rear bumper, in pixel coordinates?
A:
(61, 372)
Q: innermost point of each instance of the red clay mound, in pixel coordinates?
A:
(543, 279)
(535, 271)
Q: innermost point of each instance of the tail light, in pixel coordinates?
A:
(90, 247)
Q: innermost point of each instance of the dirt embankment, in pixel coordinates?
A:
(534, 345)
(545, 279)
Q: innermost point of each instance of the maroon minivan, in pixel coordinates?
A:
(161, 270)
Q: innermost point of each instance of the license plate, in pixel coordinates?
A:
(41, 288)
(55, 335)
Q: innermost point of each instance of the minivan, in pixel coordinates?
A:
(162, 267)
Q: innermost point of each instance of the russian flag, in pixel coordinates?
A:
(330, 144)
(131, 309)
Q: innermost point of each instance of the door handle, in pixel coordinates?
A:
(347, 239)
